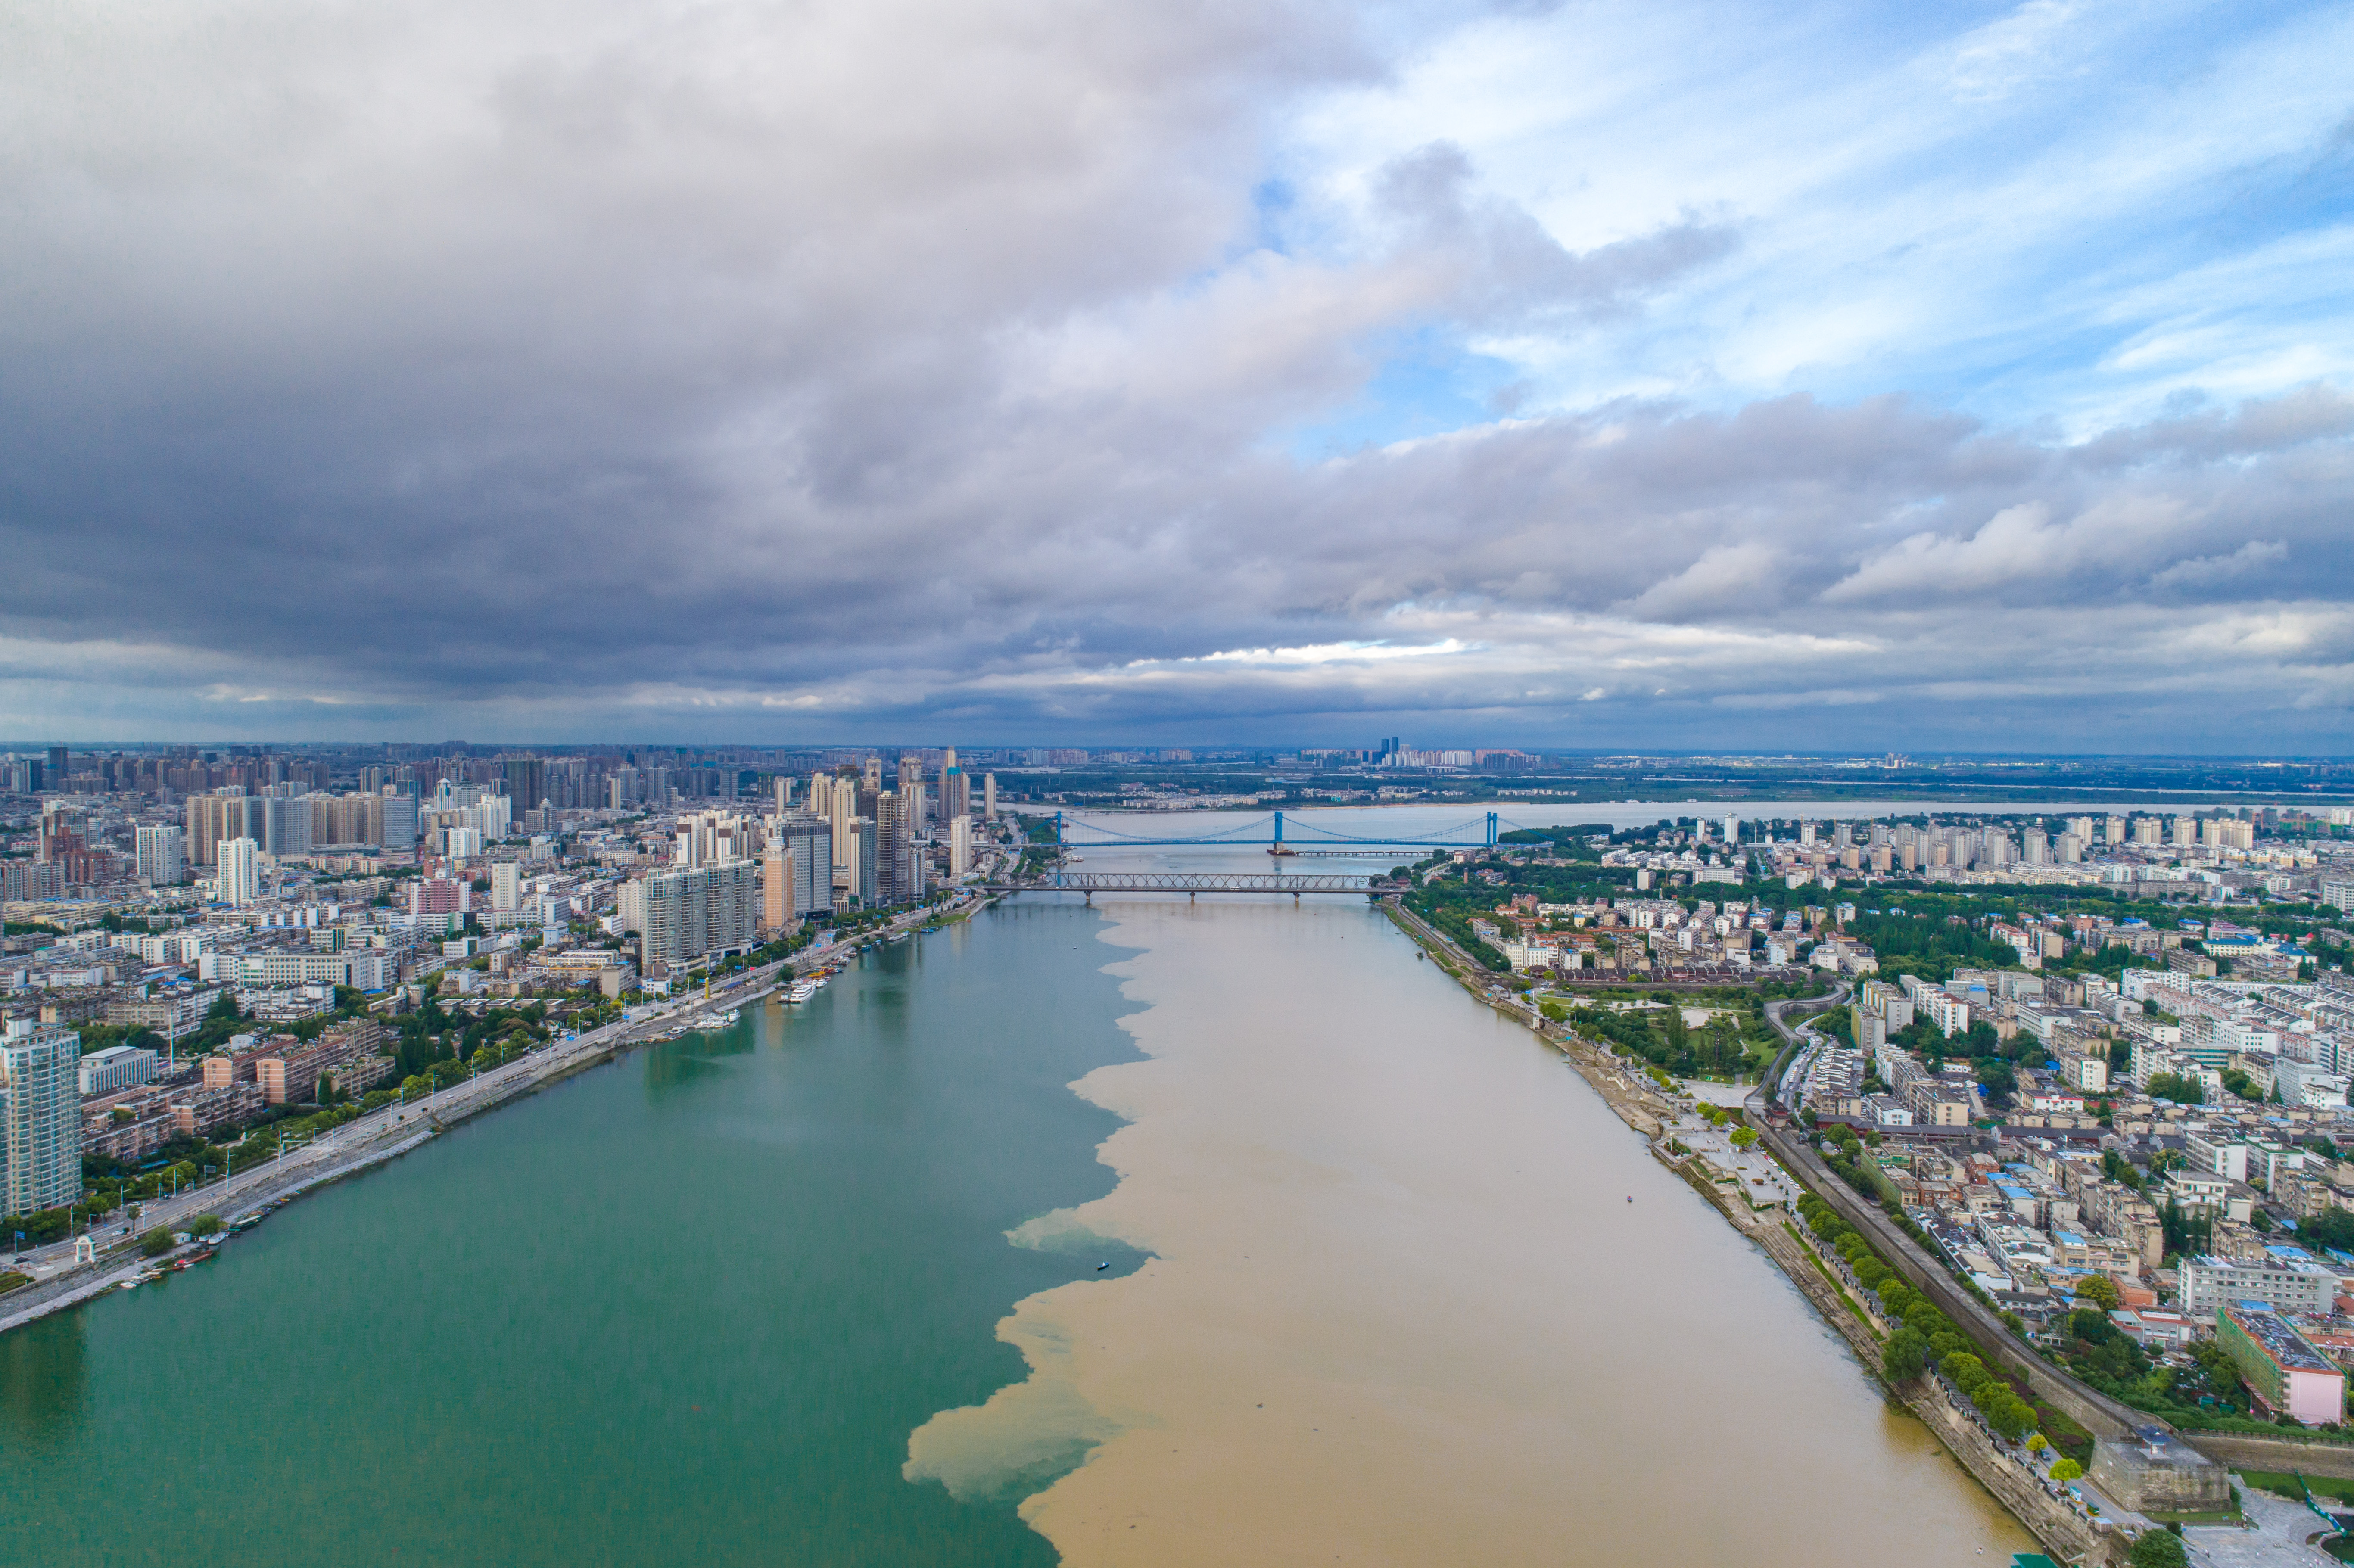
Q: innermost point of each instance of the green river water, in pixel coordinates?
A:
(682, 1309)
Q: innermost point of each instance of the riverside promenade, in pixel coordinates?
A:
(395, 1129)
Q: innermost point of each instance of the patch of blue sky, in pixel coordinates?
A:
(1427, 382)
(2063, 209)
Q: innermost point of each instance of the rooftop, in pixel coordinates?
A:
(2289, 1350)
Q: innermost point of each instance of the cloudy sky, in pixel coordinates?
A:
(1973, 376)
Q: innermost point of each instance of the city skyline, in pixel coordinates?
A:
(1679, 377)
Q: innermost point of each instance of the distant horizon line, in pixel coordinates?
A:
(1264, 751)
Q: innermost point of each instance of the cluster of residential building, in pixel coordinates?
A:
(511, 877)
(1652, 935)
(2077, 1174)
(2214, 856)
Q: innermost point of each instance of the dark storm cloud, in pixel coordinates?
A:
(596, 370)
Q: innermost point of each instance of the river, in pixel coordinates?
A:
(824, 1289)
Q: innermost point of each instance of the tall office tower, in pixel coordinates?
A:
(240, 880)
(959, 845)
(809, 839)
(506, 886)
(56, 766)
(524, 780)
(778, 912)
(988, 796)
(863, 863)
(40, 1117)
(690, 913)
(160, 863)
(400, 829)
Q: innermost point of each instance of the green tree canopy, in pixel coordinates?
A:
(2100, 1290)
(2159, 1548)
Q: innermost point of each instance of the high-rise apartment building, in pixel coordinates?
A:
(778, 911)
(841, 809)
(898, 880)
(506, 886)
(696, 912)
(861, 868)
(238, 876)
(161, 863)
(524, 781)
(988, 796)
(911, 793)
(808, 838)
(286, 824)
(959, 844)
(40, 1117)
(214, 819)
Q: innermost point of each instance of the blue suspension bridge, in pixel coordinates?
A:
(1243, 834)
(1308, 840)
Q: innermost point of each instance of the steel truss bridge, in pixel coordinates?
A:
(1091, 883)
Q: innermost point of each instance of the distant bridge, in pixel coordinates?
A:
(1473, 834)
(1091, 883)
